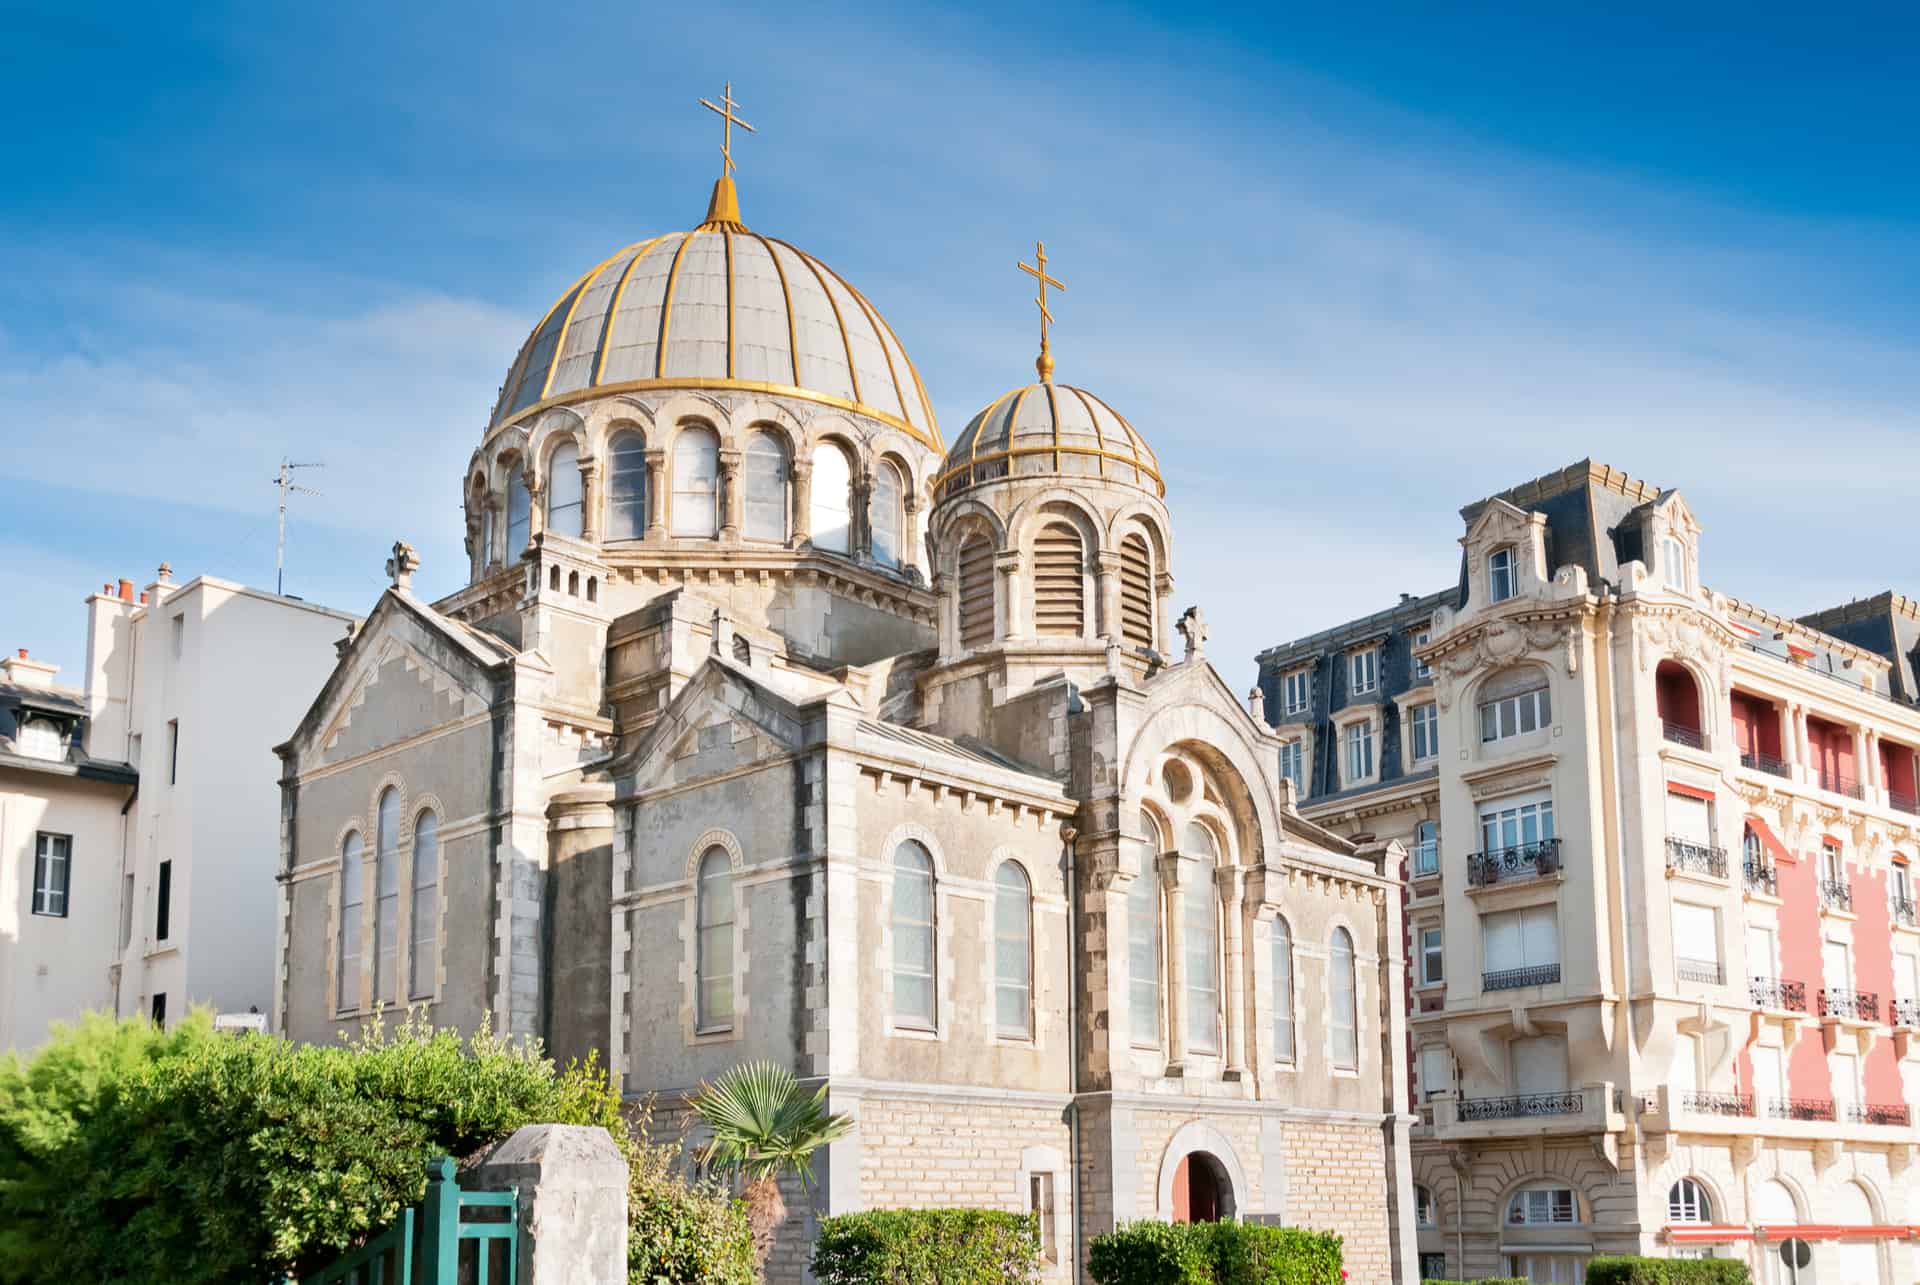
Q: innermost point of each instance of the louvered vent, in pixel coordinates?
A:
(1059, 593)
(1136, 592)
(976, 593)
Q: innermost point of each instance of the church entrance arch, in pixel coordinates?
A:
(1202, 1191)
(1201, 1180)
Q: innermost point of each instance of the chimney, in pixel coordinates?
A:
(23, 672)
(126, 591)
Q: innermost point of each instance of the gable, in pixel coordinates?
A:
(721, 722)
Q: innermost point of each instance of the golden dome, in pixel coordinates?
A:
(1049, 428)
(718, 307)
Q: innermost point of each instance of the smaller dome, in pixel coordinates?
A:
(1049, 429)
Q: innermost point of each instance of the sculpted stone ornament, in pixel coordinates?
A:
(1193, 629)
(402, 565)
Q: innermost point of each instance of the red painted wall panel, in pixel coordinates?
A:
(1807, 1075)
(1873, 971)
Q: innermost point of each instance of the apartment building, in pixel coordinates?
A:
(1660, 917)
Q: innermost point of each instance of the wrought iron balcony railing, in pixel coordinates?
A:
(1681, 734)
(1772, 992)
(1902, 909)
(1761, 878)
(1765, 763)
(1906, 1012)
(1703, 1103)
(1801, 1109)
(1839, 784)
(1835, 894)
(1849, 1005)
(1880, 1113)
(1705, 971)
(1904, 802)
(1506, 979)
(1521, 1106)
(1696, 858)
(1509, 865)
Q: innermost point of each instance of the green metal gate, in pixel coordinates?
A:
(438, 1243)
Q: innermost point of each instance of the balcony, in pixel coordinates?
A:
(1681, 734)
(1757, 762)
(1816, 1109)
(1838, 784)
(1902, 909)
(1513, 865)
(1587, 1109)
(1686, 857)
(1507, 979)
(1761, 878)
(1781, 996)
(1700, 1102)
(1707, 972)
(1906, 1012)
(1836, 895)
(1849, 1005)
(1904, 802)
(1525, 1106)
(1880, 1113)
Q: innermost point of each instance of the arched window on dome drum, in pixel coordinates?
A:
(1343, 1000)
(714, 959)
(1059, 583)
(347, 959)
(1012, 953)
(519, 513)
(565, 494)
(1143, 945)
(386, 904)
(887, 514)
(766, 469)
(627, 487)
(696, 487)
(1203, 941)
(832, 499)
(1136, 591)
(976, 591)
(423, 943)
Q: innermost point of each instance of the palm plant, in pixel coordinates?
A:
(764, 1123)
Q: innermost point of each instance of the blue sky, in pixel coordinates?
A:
(1347, 269)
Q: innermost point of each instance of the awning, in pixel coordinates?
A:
(1834, 1231)
(1690, 791)
(1701, 1234)
(1771, 840)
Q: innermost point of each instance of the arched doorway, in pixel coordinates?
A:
(1202, 1189)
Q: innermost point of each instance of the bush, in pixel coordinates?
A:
(1229, 1253)
(1624, 1270)
(190, 1156)
(927, 1247)
(1484, 1280)
(678, 1232)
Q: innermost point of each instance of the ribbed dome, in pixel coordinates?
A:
(719, 307)
(1049, 428)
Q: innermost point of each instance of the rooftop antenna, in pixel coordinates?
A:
(286, 484)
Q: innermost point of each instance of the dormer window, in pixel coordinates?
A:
(1673, 564)
(41, 738)
(1500, 576)
(1363, 671)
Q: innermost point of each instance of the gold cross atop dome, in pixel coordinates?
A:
(724, 208)
(1044, 363)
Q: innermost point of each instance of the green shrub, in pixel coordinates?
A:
(1483, 1280)
(189, 1156)
(1228, 1253)
(678, 1232)
(1625, 1270)
(927, 1247)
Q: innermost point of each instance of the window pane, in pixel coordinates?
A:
(885, 512)
(564, 491)
(913, 935)
(348, 964)
(519, 513)
(423, 957)
(627, 488)
(1282, 991)
(832, 495)
(386, 916)
(696, 463)
(766, 469)
(1143, 955)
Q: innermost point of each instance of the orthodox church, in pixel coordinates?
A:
(768, 725)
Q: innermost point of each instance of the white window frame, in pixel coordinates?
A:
(1503, 582)
(1296, 770)
(1513, 816)
(1673, 565)
(1421, 671)
(1359, 762)
(929, 1021)
(1145, 910)
(1363, 671)
(1553, 1211)
(1423, 732)
(1425, 852)
(716, 921)
(1009, 985)
(52, 873)
(1517, 714)
(1286, 1034)
(1688, 1201)
(1296, 690)
(1343, 1001)
(423, 907)
(1433, 955)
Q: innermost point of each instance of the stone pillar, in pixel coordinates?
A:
(910, 538)
(1863, 762)
(730, 500)
(802, 501)
(579, 872)
(860, 538)
(536, 508)
(573, 1202)
(589, 523)
(1013, 605)
(1163, 591)
(1231, 880)
(1106, 590)
(656, 493)
(946, 593)
(1176, 914)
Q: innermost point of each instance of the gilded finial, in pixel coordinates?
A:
(724, 208)
(1043, 363)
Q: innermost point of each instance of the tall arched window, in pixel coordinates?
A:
(1136, 591)
(1012, 952)
(423, 954)
(767, 469)
(1283, 1042)
(696, 483)
(565, 493)
(913, 937)
(627, 487)
(1059, 582)
(832, 499)
(976, 591)
(386, 905)
(1688, 1202)
(519, 513)
(1752, 853)
(888, 514)
(1143, 945)
(352, 901)
(1203, 941)
(714, 952)
(1343, 1000)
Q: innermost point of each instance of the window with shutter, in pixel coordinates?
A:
(1690, 820)
(1059, 588)
(1136, 592)
(976, 592)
